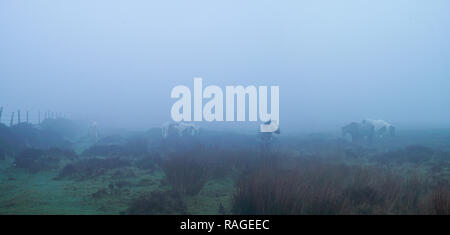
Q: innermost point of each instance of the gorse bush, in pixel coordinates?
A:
(90, 168)
(36, 160)
(168, 202)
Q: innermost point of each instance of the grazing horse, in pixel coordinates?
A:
(359, 132)
(179, 129)
(180, 136)
(367, 130)
(381, 127)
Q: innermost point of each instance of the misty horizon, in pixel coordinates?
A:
(116, 63)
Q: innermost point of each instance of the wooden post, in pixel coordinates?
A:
(12, 119)
(18, 116)
(39, 117)
(27, 117)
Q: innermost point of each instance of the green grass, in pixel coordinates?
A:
(22, 192)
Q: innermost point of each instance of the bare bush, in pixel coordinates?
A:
(185, 172)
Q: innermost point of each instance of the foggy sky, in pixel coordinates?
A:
(116, 62)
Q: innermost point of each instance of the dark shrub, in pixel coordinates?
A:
(136, 145)
(169, 202)
(114, 188)
(90, 168)
(104, 151)
(101, 193)
(63, 153)
(36, 160)
(31, 160)
(149, 161)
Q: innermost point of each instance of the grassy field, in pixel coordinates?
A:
(302, 175)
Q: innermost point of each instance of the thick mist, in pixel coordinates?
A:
(116, 62)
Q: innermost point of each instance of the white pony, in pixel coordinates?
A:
(381, 128)
(179, 129)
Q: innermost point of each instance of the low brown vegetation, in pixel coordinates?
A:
(320, 188)
(439, 201)
(168, 202)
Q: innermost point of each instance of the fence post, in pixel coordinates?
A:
(18, 116)
(27, 117)
(12, 119)
(39, 117)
